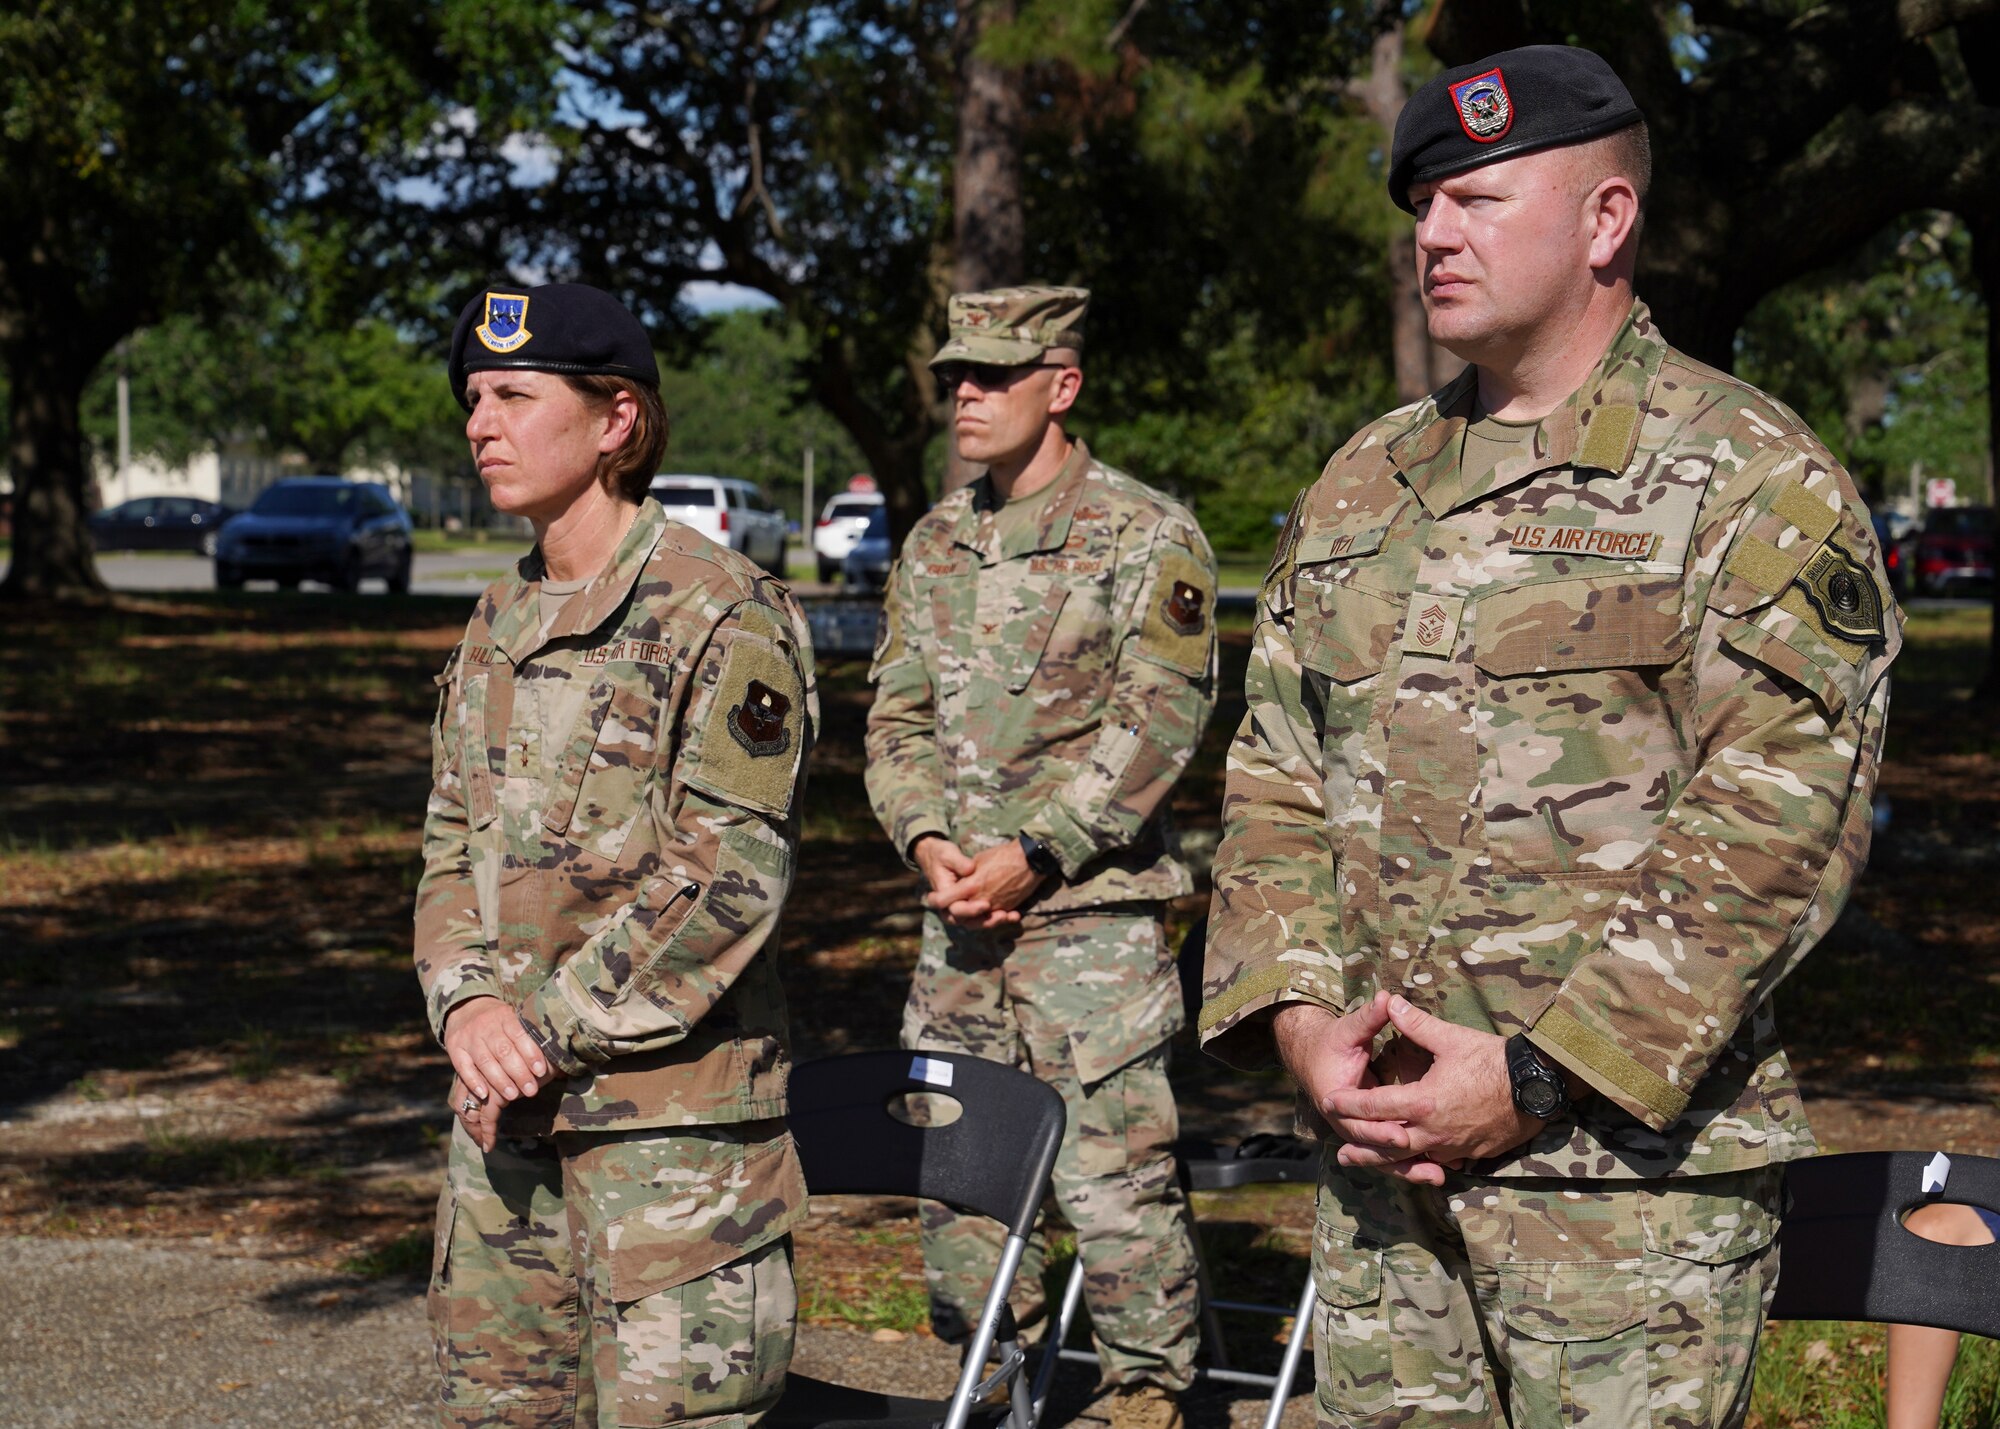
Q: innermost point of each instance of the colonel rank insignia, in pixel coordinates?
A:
(506, 325)
(1182, 609)
(1844, 593)
(758, 724)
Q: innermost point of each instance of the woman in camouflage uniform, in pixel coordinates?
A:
(619, 750)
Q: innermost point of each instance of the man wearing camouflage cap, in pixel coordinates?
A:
(1565, 699)
(1046, 667)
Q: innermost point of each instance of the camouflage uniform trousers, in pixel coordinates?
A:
(1542, 1303)
(551, 1303)
(1084, 1001)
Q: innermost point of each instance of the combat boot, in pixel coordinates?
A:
(1145, 1406)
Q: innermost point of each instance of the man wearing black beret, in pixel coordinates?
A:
(1565, 700)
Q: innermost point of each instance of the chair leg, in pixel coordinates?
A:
(1055, 1337)
(1211, 1322)
(1295, 1349)
(972, 1370)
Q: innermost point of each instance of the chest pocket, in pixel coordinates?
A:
(475, 757)
(1580, 753)
(1341, 629)
(1027, 620)
(600, 785)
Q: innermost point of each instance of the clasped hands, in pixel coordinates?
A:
(1436, 1100)
(496, 1062)
(983, 891)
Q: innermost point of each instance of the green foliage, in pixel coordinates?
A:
(739, 407)
(1884, 356)
(409, 1254)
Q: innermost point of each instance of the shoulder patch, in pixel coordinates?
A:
(754, 731)
(1843, 593)
(1178, 622)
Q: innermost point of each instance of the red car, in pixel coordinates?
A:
(1956, 550)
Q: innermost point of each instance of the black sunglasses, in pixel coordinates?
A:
(987, 375)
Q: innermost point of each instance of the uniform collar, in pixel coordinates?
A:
(1596, 427)
(516, 622)
(976, 531)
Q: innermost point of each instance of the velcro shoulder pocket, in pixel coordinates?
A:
(1597, 622)
(754, 728)
(1177, 626)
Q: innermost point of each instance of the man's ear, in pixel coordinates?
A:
(1063, 393)
(1615, 217)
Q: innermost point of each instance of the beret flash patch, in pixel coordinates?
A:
(758, 724)
(506, 325)
(1844, 593)
(1485, 108)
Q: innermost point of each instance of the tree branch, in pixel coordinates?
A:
(1918, 18)
(1117, 35)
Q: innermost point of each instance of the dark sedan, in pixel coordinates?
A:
(318, 528)
(160, 523)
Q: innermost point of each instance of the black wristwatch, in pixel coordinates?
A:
(1040, 857)
(1539, 1089)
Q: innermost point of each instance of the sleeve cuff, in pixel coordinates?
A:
(1235, 1025)
(914, 828)
(476, 981)
(1071, 843)
(554, 1024)
(1608, 1068)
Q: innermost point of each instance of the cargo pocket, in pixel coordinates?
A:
(1558, 779)
(1711, 1256)
(1351, 1340)
(1125, 1114)
(437, 1297)
(475, 759)
(600, 785)
(1576, 1342)
(704, 1303)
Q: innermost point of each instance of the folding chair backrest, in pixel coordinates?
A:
(994, 1160)
(1844, 1254)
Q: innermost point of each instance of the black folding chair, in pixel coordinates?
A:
(1263, 1159)
(993, 1160)
(1845, 1254)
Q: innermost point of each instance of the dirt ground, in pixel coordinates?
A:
(209, 1033)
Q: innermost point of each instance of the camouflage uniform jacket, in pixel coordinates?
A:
(612, 830)
(1054, 684)
(1583, 745)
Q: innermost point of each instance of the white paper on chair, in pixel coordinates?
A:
(930, 1072)
(1936, 1171)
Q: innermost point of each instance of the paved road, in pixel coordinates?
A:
(444, 573)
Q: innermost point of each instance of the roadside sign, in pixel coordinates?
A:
(861, 481)
(1940, 491)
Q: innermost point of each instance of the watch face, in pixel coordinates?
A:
(1538, 1098)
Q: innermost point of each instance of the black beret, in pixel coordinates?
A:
(571, 328)
(1512, 103)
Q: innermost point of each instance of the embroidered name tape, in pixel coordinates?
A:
(644, 652)
(1586, 541)
(1064, 565)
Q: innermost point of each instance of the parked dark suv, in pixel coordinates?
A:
(1955, 553)
(317, 528)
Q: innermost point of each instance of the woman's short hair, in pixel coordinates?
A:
(630, 470)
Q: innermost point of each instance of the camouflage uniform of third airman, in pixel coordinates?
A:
(1579, 744)
(610, 837)
(1053, 678)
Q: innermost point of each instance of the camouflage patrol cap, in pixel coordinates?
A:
(1011, 327)
(1512, 103)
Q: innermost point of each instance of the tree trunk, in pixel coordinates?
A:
(53, 558)
(1986, 268)
(1383, 94)
(989, 235)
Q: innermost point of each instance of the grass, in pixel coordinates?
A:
(1816, 1375)
(409, 1254)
